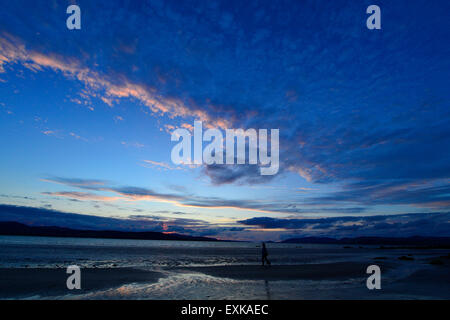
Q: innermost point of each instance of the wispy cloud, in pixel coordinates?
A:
(78, 137)
(75, 182)
(183, 199)
(13, 50)
(81, 196)
(164, 165)
(49, 132)
(132, 144)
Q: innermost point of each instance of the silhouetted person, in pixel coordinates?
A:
(264, 255)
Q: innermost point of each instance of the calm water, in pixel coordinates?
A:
(16, 251)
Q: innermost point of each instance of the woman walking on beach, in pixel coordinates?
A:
(264, 255)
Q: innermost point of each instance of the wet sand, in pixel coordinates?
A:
(325, 271)
(418, 278)
(47, 282)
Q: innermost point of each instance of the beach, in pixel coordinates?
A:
(111, 269)
(42, 282)
(325, 271)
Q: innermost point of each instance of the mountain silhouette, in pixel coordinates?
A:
(19, 229)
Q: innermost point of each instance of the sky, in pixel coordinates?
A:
(86, 116)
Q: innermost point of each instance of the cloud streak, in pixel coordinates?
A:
(402, 225)
(131, 193)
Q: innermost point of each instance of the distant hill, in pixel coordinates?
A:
(415, 240)
(19, 229)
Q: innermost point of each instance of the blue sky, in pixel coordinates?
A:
(364, 116)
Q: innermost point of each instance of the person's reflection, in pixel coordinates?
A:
(267, 289)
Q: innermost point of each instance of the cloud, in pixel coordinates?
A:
(48, 132)
(163, 165)
(78, 137)
(16, 197)
(402, 225)
(182, 199)
(424, 224)
(431, 194)
(170, 212)
(376, 111)
(240, 174)
(13, 50)
(81, 196)
(75, 182)
(47, 217)
(132, 144)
